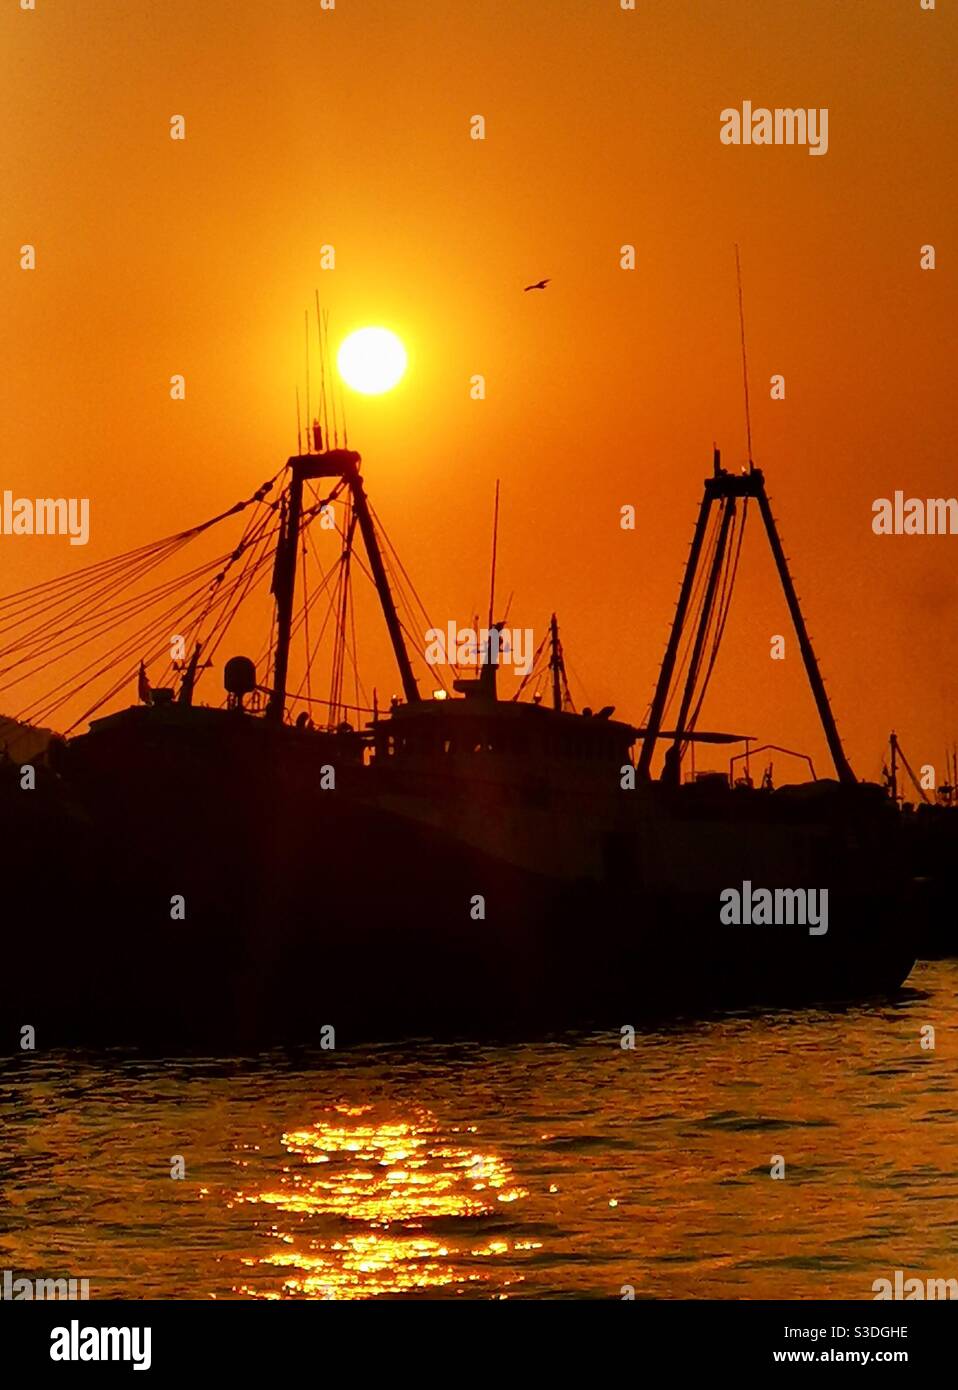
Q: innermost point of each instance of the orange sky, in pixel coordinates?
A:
(351, 127)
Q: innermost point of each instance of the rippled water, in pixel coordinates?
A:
(569, 1167)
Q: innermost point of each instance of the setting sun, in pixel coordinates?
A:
(371, 360)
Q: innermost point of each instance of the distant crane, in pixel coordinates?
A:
(896, 753)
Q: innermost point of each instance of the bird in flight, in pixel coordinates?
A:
(539, 285)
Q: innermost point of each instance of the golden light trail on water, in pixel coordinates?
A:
(364, 1202)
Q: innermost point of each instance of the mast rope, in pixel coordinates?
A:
(80, 608)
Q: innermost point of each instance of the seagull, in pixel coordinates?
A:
(539, 285)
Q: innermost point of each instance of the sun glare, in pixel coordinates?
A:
(371, 360)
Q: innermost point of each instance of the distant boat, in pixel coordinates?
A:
(930, 828)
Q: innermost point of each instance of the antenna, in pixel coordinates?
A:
(324, 413)
(309, 418)
(299, 430)
(741, 319)
(342, 393)
(495, 543)
(332, 391)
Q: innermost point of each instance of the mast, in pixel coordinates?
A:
(189, 677)
(842, 767)
(674, 758)
(721, 488)
(343, 464)
(374, 555)
(555, 663)
(284, 589)
(654, 725)
(898, 752)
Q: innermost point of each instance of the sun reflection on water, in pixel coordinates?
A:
(382, 1207)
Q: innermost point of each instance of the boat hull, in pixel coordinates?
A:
(200, 917)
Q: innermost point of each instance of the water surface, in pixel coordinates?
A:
(568, 1167)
